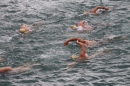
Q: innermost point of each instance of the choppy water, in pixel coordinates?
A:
(44, 46)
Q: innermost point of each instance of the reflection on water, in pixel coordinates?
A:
(44, 46)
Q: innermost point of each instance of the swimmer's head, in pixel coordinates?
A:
(22, 30)
(74, 57)
(85, 12)
(73, 26)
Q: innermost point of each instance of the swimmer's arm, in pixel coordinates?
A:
(5, 69)
(73, 39)
(100, 7)
(93, 11)
(81, 23)
(23, 26)
(83, 50)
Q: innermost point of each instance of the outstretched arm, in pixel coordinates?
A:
(73, 39)
(98, 7)
(82, 54)
(94, 9)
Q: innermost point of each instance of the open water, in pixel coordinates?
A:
(44, 46)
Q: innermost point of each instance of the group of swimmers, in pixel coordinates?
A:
(80, 27)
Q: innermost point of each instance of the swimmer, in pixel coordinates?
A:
(82, 26)
(10, 70)
(26, 29)
(89, 43)
(97, 10)
(82, 56)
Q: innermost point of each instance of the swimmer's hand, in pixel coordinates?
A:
(5, 69)
(65, 43)
(77, 41)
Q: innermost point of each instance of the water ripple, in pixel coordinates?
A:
(44, 46)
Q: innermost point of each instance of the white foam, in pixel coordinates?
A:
(5, 38)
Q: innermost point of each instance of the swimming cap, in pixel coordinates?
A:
(85, 12)
(74, 57)
(22, 30)
(73, 26)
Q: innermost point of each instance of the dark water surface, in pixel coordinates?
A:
(44, 46)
